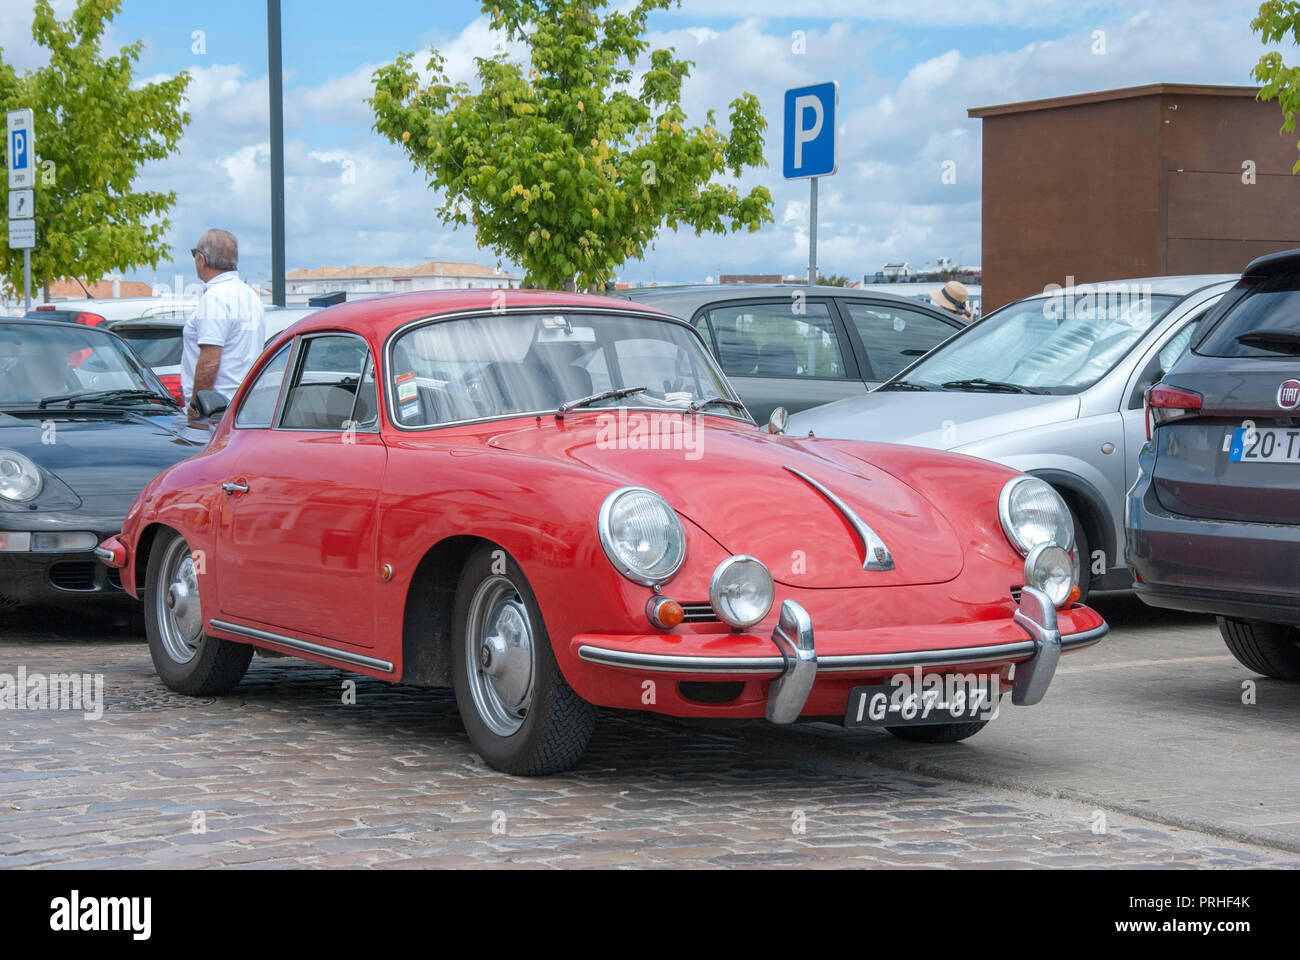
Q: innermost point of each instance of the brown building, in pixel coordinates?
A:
(1147, 181)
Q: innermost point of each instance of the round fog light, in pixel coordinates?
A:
(741, 591)
(1049, 568)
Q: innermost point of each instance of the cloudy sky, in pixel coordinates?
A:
(907, 74)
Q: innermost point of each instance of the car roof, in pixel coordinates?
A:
(1178, 286)
(688, 298)
(376, 317)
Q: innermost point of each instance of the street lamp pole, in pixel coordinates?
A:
(275, 79)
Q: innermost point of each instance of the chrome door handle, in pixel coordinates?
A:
(232, 487)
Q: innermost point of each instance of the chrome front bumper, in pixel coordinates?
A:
(796, 667)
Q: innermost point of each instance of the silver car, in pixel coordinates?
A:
(1051, 385)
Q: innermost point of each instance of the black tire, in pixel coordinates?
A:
(939, 732)
(217, 665)
(557, 723)
(1272, 649)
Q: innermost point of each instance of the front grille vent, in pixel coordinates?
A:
(73, 576)
(699, 613)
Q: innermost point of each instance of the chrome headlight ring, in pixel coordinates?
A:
(614, 513)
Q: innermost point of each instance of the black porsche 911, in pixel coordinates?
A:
(84, 425)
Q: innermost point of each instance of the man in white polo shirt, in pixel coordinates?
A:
(224, 335)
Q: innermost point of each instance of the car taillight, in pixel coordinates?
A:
(89, 319)
(173, 384)
(1165, 403)
(46, 306)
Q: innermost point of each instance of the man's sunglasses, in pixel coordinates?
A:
(194, 251)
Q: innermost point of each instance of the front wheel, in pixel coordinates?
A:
(187, 659)
(520, 713)
(1272, 649)
(939, 732)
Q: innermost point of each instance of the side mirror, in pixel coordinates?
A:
(777, 421)
(211, 404)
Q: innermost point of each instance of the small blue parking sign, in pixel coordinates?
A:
(19, 144)
(810, 131)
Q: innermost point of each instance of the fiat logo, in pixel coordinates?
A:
(1288, 395)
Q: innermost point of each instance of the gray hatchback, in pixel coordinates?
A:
(1213, 520)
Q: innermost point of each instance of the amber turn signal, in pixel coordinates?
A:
(1075, 594)
(664, 613)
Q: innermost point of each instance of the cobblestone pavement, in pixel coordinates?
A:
(281, 773)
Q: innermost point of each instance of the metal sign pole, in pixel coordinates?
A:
(812, 231)
(27, 280)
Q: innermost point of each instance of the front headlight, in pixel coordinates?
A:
(642, 535)
(19, 478)
(1049, 568)
(741, 591)
(1032, 513)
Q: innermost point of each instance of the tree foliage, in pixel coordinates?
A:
(558, 163)
(94, 130)
(1277, 20)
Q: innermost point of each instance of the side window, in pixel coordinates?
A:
(259, 403)
(1177, 345)
(773, 340)
(895, 336)
(327, 386)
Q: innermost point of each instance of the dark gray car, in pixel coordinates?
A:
(797, 346)
(1213, 520)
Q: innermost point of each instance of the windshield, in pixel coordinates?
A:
(1056, 344)
(40, 360)
(495, 366)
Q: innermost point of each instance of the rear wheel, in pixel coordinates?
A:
(187, 659)
(520, 713)
(939, 732)
(1272, 649)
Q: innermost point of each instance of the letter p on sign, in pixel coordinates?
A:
(810, 131)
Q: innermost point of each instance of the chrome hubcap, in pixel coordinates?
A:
(179, 618)
(499, 655)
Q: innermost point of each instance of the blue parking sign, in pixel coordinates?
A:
(18, 150)
(810, 131)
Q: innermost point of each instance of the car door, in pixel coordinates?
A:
(785, 352)
(891, 336)
(296, 550)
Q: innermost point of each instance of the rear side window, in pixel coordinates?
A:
(1262, 319)
(333, 379)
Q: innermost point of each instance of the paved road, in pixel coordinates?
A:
(283, 773)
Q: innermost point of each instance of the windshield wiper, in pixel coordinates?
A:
(1274, 341)
(595, 398)
(725, 401)
(991, 386)
(108, 396)
(903, 385)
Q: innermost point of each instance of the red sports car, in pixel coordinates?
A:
(553, 502)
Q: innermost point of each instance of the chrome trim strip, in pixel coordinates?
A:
(679, 663)
(1084, 638)
(306, 646)
(104, 554)
(993, 653)
(878, 556)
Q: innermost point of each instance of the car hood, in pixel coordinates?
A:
(102, 461)
(943, 420)
(733, 482)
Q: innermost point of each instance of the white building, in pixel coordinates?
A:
(360, 282)
(898, 272)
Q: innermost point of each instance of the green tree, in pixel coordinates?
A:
(558, 165)
(834, 280)
(94, 130)
(1277, 20)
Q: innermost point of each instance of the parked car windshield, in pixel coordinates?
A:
(1055, 344)
(493, 366)
(45, 360)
